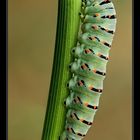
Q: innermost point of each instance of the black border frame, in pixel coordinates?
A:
(3, 69)
(136, 71)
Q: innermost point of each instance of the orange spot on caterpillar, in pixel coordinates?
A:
(95, 27)
(109, 16)
(81, 83)
(88, 50)
(84, 66)
(86, 103)
(99, 54)
(95, 107)
(90, 87)
(106, 30)
(102, 42)
(81, 120)
(97, 14)
(94, 70)
(92, 38)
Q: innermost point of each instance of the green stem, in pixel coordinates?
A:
(66, 38)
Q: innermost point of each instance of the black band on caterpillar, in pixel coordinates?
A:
(102, 56)
(109, 31)
(109, 16)
(93, 38)
(85, 66)
(99, 72)
(81, 83)
(88, 51)
(74, 115)
(78, 100)
(69, 129)
(105, 2)
(96, 90)
(95, 27)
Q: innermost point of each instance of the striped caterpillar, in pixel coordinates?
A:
(98, 22)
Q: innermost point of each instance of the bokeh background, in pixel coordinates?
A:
(31, 39)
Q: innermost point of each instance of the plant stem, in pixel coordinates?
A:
(66, 38)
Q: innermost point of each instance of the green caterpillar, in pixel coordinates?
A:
(98, 23)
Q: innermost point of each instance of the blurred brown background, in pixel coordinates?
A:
(31, 39)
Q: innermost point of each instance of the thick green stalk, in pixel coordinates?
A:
(66, 38)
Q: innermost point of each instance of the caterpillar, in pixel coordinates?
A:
(98, 23)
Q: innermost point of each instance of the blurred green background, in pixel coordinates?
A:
(31, 39)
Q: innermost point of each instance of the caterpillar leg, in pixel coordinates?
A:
(69, 100)
(82, 17)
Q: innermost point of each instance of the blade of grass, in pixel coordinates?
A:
(66, 38)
